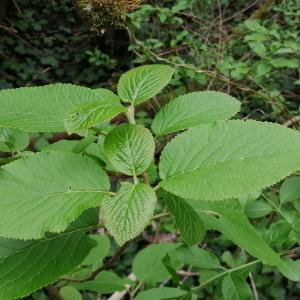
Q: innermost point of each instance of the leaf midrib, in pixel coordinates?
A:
(228, 161)
(61, 193)
(44, 240)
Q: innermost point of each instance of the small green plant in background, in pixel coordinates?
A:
(211, 174)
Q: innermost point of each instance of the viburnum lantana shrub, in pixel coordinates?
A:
(50, 200)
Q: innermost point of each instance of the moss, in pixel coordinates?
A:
(104, 14)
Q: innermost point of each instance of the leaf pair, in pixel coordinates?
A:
(67, 107)
(56, 107)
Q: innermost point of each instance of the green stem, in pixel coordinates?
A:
(278, 210)
(130, 114)
(156, 187)
(158, 216)
(204, 284)
(136, 289)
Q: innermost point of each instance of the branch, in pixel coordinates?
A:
(104, 267)
(120, 295)
(292, 121)
(220, 275)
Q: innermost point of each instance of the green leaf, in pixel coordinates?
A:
(62, 145)
(29, 265)
(46, 191)
(129, 149)
(278, 233)
(129, 212)
(43, 108)
(234, 287)
(142, 83)
(263, 68)
(70, 293)
(228, 159)
(196, 257)
(98, 252)
(193, 109)
(228, 219)
(258, 209)
(253, 25)
(259, 48)
(290, 190)
(83, 144)
(147, 264)
(290, 268)
(188, 221)
(93, 113)
(282, 62)
(106, 282)
(13, 140)
(161, 293)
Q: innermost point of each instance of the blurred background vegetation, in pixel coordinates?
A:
(249, 49)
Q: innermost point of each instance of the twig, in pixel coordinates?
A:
(187, 273)
(240, 12)
(17, 6)
(104, 267)
(10, 30)
(292, 121)
(255, 293)
(220, 275)
(121, 294)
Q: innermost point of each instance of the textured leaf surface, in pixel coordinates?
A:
(235, 287)
(228, 159)
(89, 114)
(106, 282)
(188, 221)
(46, 191)
(148, 266)
(129, 212)
(142, 83)
(193, 109)
(43, 108)
(129, 149)
(162, 293)
(26, 266)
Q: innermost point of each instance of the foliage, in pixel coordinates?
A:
(211, 174)
(250, 50)
(46, 42)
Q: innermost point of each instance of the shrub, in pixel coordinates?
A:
(50, 200)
